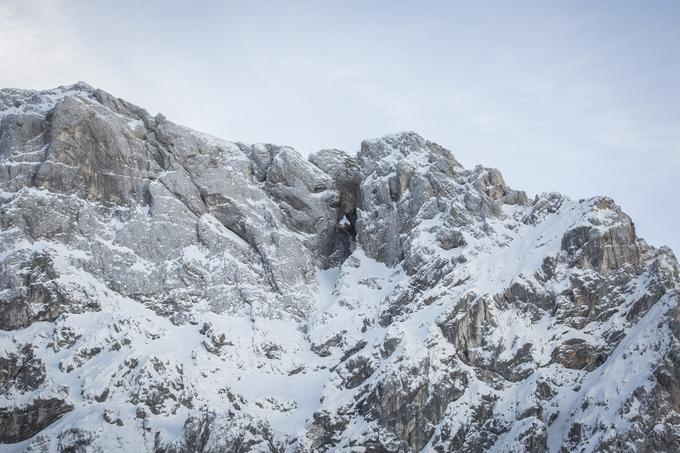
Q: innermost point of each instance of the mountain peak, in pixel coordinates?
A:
(165, 290)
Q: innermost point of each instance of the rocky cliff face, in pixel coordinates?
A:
(163, 290)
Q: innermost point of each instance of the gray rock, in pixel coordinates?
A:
(204, 295)
(20, 423)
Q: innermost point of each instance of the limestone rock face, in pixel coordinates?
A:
(165, 290)
(20, 423)
(346, 176)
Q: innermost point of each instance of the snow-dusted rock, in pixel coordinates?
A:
(164, 290)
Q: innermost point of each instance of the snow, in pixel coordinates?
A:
(135, 124)
(279, 358)
(40, 102)
(347, 296)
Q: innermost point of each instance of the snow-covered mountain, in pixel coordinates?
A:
(164, 290)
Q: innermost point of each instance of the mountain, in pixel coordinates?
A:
(165, 290)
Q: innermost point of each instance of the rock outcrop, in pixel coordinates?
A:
(165, 290)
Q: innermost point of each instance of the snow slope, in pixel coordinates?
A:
(163, 290)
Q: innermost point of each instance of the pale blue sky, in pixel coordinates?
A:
(577, 97)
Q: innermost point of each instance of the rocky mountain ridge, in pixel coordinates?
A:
(164, 290)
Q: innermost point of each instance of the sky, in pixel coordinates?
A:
(577, 97)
